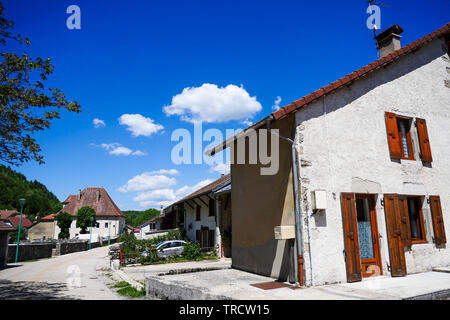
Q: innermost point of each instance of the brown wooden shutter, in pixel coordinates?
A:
(211, 238)
(198, 236)
(424, 141)
(393, 136)
(394, 233)
(351, 243)
(438, 222)
(404, 217)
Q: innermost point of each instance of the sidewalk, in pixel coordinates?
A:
(140, 273)
(236, 285)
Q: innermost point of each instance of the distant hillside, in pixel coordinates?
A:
(14, 185)
(135, 218)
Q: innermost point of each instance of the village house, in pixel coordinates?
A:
(110, 220)
(205, 214)
(12, 218)
(363, 181)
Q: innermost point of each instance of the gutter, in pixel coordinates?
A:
(298, 209)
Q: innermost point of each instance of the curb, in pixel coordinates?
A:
(157, 288)
(438, 295)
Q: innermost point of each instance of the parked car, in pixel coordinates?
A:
(170, 248)
(94, 238)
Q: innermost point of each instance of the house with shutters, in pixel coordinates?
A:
(363, 185)
(110, 220)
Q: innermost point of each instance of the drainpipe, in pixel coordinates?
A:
(298, 209)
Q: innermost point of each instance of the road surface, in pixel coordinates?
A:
(73, 276)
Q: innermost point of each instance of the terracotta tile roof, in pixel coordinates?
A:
(49, 217)
(104, 206)
(5, 227)
(4, 214)
(15, 220)
(360, 72)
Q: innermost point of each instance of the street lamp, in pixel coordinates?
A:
(22, 204)
(90, 237)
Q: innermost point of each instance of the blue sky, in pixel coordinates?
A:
(133, 57)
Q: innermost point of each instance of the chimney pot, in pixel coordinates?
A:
(388, 41)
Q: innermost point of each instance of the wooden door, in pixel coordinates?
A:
(351, 244)
(394, 233)
(369, 248)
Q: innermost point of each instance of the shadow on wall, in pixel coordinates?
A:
(27, 290)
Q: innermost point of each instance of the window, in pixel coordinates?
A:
(416, 220)
(197, 213)
(399, 137)
(404, 133)
(212, 207)
(106, 224)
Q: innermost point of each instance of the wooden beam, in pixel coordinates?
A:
(189, 204)
(195, 202)
(203, 201)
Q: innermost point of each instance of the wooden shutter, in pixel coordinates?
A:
(393, 136)
(405, 223)
(351, 243)
(394, 233)
(424, 141)
(211, 236)
(438, 222)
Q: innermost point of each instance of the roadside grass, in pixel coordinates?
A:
(131, 292)
(125, 289)
(120, 284)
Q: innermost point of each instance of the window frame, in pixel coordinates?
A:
(408, 121)
(421, 222)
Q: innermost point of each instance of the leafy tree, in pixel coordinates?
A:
(26, 106)
(14, 185)
(64, 220)
(13, 235)
(135, 218)
(84, 215)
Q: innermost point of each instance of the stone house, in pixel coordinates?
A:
(12, 218)
(363, 183)
(110, 220)
(205, 214)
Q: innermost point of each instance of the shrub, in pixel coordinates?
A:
(191, 251)
(84, 215)
(64, 220)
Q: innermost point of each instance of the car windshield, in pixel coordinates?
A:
(160, 243)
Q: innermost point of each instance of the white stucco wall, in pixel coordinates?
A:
(205, 220)
(343, 139)
(115, 224)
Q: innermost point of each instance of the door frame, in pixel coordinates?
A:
(376, 260)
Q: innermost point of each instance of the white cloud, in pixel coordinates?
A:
(117, 149)
(185, 190)
(139, 125)
(276, 103)
(98, 123)
(209, 103)
(247, 122)
(221, 168)
(147, 181)
(156, 195)
(165, 171)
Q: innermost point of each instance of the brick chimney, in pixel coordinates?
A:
(389, 40)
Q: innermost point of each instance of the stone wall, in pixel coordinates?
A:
(3, 248)
(30, 251)
(64, 247)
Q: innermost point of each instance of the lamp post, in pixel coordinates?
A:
(90, 237)
(22, 204)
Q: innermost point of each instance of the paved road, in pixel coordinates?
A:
(73, 276)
